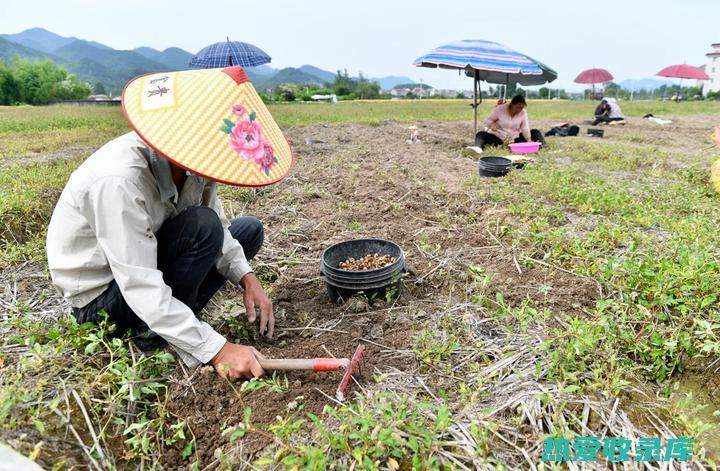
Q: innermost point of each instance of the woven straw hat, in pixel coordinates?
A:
(211, 122)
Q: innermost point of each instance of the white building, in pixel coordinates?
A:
(712, 68)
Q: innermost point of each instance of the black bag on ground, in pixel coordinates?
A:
(563, 131)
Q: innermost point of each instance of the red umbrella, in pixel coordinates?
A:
(682, 71)
(594, 76)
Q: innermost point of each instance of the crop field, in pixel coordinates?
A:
(577, 296)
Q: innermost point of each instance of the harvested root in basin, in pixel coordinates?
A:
(368, 262)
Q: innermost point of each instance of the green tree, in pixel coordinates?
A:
(612, 89)
(286, 92)
(343, 84)
(38, 81)
(366, 89)
(72, 89)
(44, 81)
(8, 86)
(99, 89)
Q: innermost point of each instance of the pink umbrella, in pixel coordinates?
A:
(594, 76)
(682, 71)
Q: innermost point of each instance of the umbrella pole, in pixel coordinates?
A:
(677, 98)
(507, 82)
(475, 103)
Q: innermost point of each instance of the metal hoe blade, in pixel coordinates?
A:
(351, 370)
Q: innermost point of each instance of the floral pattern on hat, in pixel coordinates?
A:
(246, 138)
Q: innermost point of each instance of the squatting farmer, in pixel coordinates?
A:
(139, 231)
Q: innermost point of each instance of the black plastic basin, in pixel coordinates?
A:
(373, 284)
(494, 166)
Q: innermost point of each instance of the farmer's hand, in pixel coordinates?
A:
(237, 361)
(254, 297)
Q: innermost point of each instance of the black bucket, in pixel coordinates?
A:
(494, 166)
(373, 284)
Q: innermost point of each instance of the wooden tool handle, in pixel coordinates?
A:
(315, 364)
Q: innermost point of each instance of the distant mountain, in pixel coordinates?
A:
(119, 60)
(260, 73)
(647, 84)
(10, 50)
(422, 86)
(43, 40)
(173, 58)
(95, 62)
(263, 69)
(324, 75)
(111, 67)
(289, 75)
(148, 52)
(391, 81)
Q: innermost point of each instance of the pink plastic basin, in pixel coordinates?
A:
(525, 147)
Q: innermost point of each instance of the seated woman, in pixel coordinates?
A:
(602, 109)
(609, 111)
(508, 123)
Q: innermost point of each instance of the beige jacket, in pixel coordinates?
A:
(104, 227)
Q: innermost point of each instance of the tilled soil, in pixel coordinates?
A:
(366, 181)
(363, 181)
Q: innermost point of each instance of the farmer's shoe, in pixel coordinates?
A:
(146, 340)
(479, 140)
(536, 136)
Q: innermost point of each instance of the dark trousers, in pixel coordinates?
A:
(483, 138)
(188, 246)
(605, 119)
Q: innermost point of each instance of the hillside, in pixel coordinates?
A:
(423, 86)
(173, 58)
(43, 40)
(10, 50)
(95, 62)
(289, 75)
(112, 68)
(647, 84)
(392, 81)
(111, 58)
(324, 75)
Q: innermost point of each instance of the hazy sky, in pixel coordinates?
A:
(631, 38)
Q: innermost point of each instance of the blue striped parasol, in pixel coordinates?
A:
(487, 61)
(227, 54)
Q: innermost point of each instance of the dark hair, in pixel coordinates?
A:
(518, 99)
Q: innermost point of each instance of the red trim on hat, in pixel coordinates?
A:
(236, 73)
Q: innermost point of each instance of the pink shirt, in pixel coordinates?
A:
(506, 126)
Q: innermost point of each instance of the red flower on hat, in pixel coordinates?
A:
(247, 140)
(268, 159)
